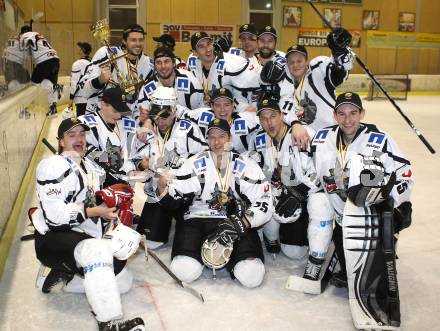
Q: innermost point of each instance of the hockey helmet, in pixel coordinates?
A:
(124, 241)
(215, 255)
(163, 102)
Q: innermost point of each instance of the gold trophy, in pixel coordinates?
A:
(101, 32)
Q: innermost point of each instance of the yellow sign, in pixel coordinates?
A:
(384, 39)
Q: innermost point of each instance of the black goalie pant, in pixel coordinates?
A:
(46, 70)
(156, 220)
(56, 249)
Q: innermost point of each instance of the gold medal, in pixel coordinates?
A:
(223, 198)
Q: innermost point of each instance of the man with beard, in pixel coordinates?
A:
(133, 68)
(215, 69)
(267, 42)
(188, 89)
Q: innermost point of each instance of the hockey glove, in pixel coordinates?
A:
(368, 184)
(288, 208)
(121, 197)
(307, 112)
(235, 208)
(338, 40)
(222, 45)
(272, 72)
(402, 216)
(228, 231)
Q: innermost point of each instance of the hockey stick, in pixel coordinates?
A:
(49, 145)
(172, 275)
(367, 71)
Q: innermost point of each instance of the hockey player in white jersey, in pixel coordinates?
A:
(266, 42)
(14, 66)
(167, 40)
(171, 142)
(243, 125)
(188, 89)
(46, 66)
(360, 167)
(248, 40)
(315, 83)
(217, 68)
(112, 137)
(78, 69)
(128, 71)
(225, 197)
(69, 230)
(303, 218)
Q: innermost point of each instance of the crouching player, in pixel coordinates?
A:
(69, 225)
(368, 182)
(226, 198)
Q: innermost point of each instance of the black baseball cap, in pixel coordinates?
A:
(268, 29)
(248, 28)
(163, 52)
(132, 28)
(116, 98)
(68, 124)
(166, 39)
(221, 124)
(349, 98)
(221, 93)
(196, 37)
(85, 47)
(297, 49)
(267, 103)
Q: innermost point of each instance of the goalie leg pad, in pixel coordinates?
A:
(320, 227)
(186, 268)
(102, 292)
(250, 272)
(373, 291)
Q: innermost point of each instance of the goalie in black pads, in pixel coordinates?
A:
(368, 182)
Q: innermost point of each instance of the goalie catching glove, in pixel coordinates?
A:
(121, 197)
(368, 184)
(288, 208)
(272, 72)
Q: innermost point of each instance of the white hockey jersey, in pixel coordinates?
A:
(369, 141)
(14, 52)
(317, 88)
(285, 162)
(197, 184)
(78, 69)
(244, 125)
(188, 89)
(38, 46)
(110, 147)
(64, 189)
(141, 70)
(232, 72)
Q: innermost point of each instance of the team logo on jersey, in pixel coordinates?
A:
(90, 119)
(184, 124)
(183, 85)
(205, 118)
(320, 136)
(192, 62)
(52, 191)
(240, 126)
(129, 125)
(150, 88)
(235, 51)
(281, 60)
(239, 166)
(220, 67)
(220, 199)
(376, 138)
(200, 165)
(260, 141)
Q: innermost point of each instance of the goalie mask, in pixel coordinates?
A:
(215, 255)
(124, 241)
(163, 102)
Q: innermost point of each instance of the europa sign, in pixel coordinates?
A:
(183, 32)
(311, 37)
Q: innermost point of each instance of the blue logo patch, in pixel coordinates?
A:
(206, 117)
(240, 126)
(90, 119)
(183, 124)
(192, 62)
(321, 135)
(220, 66)
(200, 164)
(150, 88)
(129, 124)
(376, 138)
(235, 51)
(260, 141)
(238, 166)
(183, 85)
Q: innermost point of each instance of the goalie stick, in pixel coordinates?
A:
(300, 284)
(367, 71)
